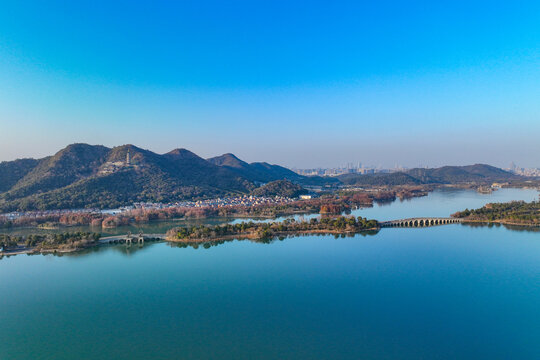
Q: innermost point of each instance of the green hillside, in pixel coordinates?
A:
(12, 172)
(477, 174)
(84, 175)
(283, 188)
(263, 172)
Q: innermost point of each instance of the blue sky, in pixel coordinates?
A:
(302, 84)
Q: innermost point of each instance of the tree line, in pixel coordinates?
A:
(67, 240)
(515, 212)
(262, 230)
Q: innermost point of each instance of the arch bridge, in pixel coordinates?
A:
(420, 222)
(130, 239)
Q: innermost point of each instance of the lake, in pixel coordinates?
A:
(445, 292)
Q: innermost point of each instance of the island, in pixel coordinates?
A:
(267, 230)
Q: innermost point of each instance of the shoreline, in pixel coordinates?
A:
(34, 251)
(250, 236)
(57, 226)
(296, 207)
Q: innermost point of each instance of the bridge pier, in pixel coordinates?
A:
(140, 239)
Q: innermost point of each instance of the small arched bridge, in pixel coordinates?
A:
(130, 239)
(420, 222)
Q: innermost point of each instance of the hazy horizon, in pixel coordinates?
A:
(301, 85)
(337, 165)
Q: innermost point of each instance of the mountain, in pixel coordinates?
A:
(478, 173)
(258, 171)
(229, 160)
(283, 188)
(262, 172)
(75, 162)
(13, 171)
(83, 175)
(459, 174)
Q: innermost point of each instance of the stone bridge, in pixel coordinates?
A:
(130, 239)
(420, 222)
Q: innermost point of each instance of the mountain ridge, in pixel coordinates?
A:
(82, 175)
(477, 173)
(257, 171)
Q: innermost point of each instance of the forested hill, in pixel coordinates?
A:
(258, 171)
(280, 188)
(262, 172)
(82, 175)
(458, 174)
(477, 174)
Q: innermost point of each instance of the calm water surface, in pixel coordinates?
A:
(447, 292)
(443, 203)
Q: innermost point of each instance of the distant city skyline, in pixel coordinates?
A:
(333, 167)
(301, 84)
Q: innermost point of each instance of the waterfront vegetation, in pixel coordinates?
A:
(268, 230)
(49, 242)
(331, 207)
(514, 213)
(328, 204)
(334, 203)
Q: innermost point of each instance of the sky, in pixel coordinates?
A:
(297, 83)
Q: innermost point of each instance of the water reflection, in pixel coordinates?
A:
(499, 225)
(129, 250)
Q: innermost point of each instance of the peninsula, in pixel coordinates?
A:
(49, 243)
(511, 213)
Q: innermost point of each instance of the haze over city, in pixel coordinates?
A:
(294, 84)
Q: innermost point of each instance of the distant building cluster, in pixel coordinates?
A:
(349, 169)
(533, 172)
